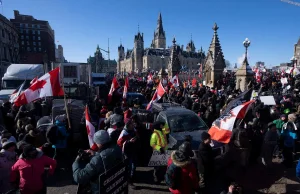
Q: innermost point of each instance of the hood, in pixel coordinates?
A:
(59, 123)
(180, 164)
(40, 154)
(176, 139)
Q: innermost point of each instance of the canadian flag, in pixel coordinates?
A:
(125, 90)
(47, 85)
(174, 81)
(16, 93)
(221, 129)
(113, 87)
(90, 129)
(160, 91)
(149, 78)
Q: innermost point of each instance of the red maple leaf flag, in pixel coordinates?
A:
(200, 71)
(90, 129)
(113, 87)
(47, 85)
(221, 129)
(126, 86)
(160, 91)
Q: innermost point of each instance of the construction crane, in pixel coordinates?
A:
(108, 55)
(291, 2)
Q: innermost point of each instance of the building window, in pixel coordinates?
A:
(32, 25)
(28, 48)
(33, 31)
(39, 32)
(34, 49)
(3, 33)
(27, 31)
(40, 49)
(21, 25)
(22, 48)
(9, 36)
(22, 42)
(4, 54)
(33, 37)
(39, 44)
(21, 31)
(22, 37)
(27, 42)
(39, 38)
(38, 26)
(70, 71)
(26, 25)
(34, 43)
(23, 17)
(27, 37)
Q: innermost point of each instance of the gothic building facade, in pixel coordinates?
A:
(158, 55)
(297, 52)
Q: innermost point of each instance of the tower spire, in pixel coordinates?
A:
(138, 28)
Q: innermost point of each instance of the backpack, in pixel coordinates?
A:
(173, 176)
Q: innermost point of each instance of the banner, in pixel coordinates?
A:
(115, 180)
(158, 159)
(240, 99)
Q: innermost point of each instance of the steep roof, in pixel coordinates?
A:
(215, 46)
(159, 28)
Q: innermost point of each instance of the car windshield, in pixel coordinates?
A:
(186, 122)
(14, 84)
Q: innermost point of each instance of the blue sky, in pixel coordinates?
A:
(271, 25)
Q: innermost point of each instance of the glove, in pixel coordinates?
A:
(162, 151)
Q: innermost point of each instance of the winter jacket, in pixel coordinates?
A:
(158, 140)
(289, 137)
(127, 147)
(31, 172)
(7, 160)
(61, 135)
(279, 124)
(103, 160)
(298, 170)
(270, 141)
(189, 177)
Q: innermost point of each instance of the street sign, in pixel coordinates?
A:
(115, 180)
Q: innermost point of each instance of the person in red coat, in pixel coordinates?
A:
(189, 176)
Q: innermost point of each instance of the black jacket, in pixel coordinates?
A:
(205, 159)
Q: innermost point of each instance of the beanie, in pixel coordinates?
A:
(205, 136)
(101, 137)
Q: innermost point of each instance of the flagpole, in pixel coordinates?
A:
(65, 99)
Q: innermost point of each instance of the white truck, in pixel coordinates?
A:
(16, 74)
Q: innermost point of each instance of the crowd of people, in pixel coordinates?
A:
(31, 151)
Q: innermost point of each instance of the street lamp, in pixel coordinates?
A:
(293, 60)
(246, 44)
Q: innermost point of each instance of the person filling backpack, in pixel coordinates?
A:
(181, 176)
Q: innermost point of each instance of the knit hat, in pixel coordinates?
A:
(156, 124)
(283, 115)
(186, 149)
(101, 137)
(205, 136)
(8, 144)
(27, 149)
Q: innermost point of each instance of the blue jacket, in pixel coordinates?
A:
(289, 137)
(298, 170)
(103, 160)
(62, 135)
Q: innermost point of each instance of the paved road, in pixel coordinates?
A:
(256, 180)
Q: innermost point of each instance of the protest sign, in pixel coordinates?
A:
(268, 100)
(158, 159)
(115, 180)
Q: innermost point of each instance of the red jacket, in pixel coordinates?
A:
(30, 173)
(189, 176)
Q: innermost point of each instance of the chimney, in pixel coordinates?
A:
(16, 13)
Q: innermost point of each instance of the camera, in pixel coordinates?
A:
(84, 156)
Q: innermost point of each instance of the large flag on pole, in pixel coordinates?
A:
(160, 91)
(125, 90)
(16, 93)
(221, 129)
(47, 85)
(200, 71)
(90, 129)
(113, 87)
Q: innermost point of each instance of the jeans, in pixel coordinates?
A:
(131, 167)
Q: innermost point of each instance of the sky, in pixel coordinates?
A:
(272, 26)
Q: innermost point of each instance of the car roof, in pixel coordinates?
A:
(175, 110)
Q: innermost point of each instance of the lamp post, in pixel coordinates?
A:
(293, 60)
(246, 44)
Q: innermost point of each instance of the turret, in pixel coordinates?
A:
(159, 34)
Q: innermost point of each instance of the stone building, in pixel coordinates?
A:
(214, 63)
(59, 54)
(100, 65)
(9, 46)
(140, 59)
(244, 75)
(297, 52)
(36, 39)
